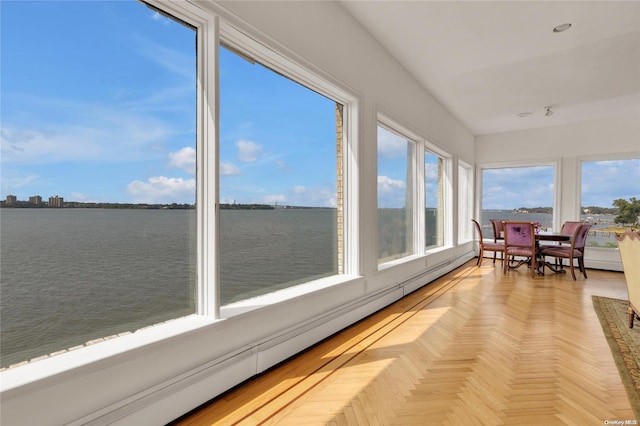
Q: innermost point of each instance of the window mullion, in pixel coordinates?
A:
(419, 208)
(208, 300)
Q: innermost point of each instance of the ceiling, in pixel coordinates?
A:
(487, 62)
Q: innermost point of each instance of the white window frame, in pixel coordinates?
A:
(447, 195)
(305, 74)
(210, 27)
(423, 144)
(392, 126)
(557, 183)
(465, 202)
(577, 213)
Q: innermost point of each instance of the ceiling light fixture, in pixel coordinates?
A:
(548, 113)
(562, 27)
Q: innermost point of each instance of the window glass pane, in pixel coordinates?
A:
(98, 173)
(517, 193)
(610, 199)
(465, 203)
(280, 144)
(395, 196)
(434, 199)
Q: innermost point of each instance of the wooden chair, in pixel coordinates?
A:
(487, 245)
(574, 251)
(629, 245)
(498, 233)
(520, 240)
(569, 227)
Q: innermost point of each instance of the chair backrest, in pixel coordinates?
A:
(568, 228)
(498, 229)
(629, 245)
(519, 234)
(478, 229)
(580, 236)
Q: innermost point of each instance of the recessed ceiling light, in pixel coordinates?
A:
(524, 114)
(562, 27)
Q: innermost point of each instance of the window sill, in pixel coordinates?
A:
(103, 350)
(248, 305)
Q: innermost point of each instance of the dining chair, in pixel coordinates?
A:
(574, 251)
(629, 247)
(498, 233)
(520, 240)
(487, 245)
(569, 228)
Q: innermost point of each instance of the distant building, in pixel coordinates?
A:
(56, 201)
(36, 200)
(12, 200)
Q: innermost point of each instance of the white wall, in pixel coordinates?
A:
(155, 375)
(568, 145)
(613, 136)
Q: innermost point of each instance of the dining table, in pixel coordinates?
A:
(548, 236)
(551, 237)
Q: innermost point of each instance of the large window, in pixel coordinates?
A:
(98, 132)
(518, 193)
(610, 198)
(280, 171)
(434, 199)
(396, 164)
(104, 137)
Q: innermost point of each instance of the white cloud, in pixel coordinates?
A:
(96, 133)
(79, 196)
(391, 145)
(282, 165)
(184, 159)
(17, 182)
(300, 195)
(387, 185)
(175, 61)
(272, 199)
(248, 151)
(161, 189)
(229, 169)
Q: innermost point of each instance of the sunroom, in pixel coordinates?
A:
(333, 154)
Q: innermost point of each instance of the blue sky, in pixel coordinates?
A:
(99, 104)
(602, 182)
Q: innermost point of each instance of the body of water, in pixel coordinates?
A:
(596, 237)
(68, 276)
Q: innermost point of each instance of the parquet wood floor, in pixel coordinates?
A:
(474, 347)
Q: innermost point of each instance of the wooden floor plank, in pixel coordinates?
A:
(473, 347)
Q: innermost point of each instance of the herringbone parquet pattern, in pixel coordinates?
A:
(474, 347)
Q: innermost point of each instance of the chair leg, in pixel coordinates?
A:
(573, 272)
(495, 253)
(534, 266)
(582, 268)
(480, 256)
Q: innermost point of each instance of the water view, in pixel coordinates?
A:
(73, 275)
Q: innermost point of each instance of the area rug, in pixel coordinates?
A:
(624, 343)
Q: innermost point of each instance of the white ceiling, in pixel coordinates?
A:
(486, 62)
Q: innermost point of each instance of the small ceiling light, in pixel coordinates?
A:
(562, 27)
(524, 114)
(548, 113)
